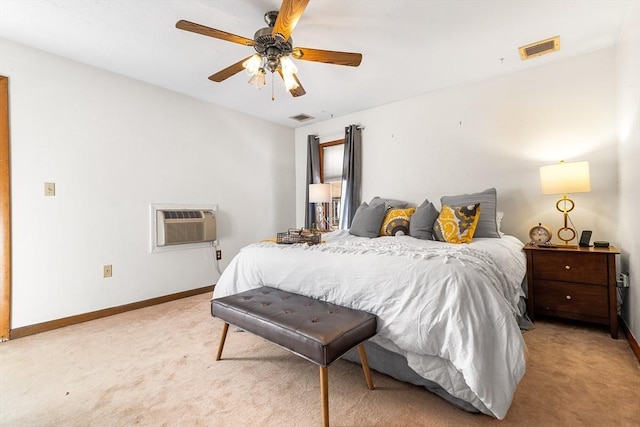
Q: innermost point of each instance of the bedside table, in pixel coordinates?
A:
(573, 283)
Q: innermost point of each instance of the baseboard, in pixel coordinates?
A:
(72, 320)
(632, 340)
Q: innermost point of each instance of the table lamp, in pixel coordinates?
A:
(320, 194)
(564, 178)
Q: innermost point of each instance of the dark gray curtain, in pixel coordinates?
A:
(351, 175)
(313, 177)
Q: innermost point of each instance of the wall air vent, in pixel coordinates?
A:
(302, 117)
(540, 48)
(177, 227)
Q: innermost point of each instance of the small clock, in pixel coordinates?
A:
(540, 235)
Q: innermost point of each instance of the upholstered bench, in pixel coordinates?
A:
(318, 331)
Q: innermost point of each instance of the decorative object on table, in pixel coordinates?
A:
(320, 194)
(540, 235)
(585, 239)
(601, 244)
(298, 235)
(564, 178)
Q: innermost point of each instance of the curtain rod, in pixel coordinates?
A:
(331, 135)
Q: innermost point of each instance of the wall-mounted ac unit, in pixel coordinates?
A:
(183, 226)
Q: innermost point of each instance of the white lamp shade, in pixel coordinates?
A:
(319, 193)
(564, 178)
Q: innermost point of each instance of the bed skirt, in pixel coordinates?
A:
(396, 366)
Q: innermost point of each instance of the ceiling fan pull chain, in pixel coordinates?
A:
(273, 95)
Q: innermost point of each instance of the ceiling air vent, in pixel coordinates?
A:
(540, 48)
(302, 117)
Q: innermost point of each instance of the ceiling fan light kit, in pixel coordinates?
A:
(274, 49)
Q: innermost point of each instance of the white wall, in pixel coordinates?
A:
(628, 73)
(494, 133)
(113, 146)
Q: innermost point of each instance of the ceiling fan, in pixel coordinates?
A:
(274, 48)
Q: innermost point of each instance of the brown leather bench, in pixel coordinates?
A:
(318, 331)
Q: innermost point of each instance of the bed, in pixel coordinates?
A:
(449, 315)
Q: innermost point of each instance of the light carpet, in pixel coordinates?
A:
(155, 367)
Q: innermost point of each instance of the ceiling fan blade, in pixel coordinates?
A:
(212, 32)
(228, 72)
(290, 13)
(327, 56)
(299, 91)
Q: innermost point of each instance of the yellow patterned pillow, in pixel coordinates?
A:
(396, 222)
(456, 224)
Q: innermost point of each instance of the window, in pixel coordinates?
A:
(331, 154)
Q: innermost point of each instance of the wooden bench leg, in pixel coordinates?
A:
(365, 366)
(225, 328)
(324, 394)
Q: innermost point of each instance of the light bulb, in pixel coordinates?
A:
(253, 64)
(287, 65)
(288, 69)
(289, 81)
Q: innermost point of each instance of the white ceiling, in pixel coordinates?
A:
(408, 47)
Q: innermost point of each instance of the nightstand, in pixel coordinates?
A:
(573, 283)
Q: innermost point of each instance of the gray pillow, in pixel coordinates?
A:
(422, 220)
(488, 199)
(388, 203)
(367, 220)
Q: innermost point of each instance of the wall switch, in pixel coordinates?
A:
(107, 271)
(49, 188)
(218, 254)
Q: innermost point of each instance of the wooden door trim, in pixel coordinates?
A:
(5, 213)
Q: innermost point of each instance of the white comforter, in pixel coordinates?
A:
(449, 309)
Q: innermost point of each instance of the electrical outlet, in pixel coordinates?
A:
(625, 280)
(218, 254)
(49, 188)
(107, 271)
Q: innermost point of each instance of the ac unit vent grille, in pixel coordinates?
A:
(182, 214)
(540, 48)
(184, 233)
(177, 227)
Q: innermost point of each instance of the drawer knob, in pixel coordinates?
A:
(568, 297)
(567, 267)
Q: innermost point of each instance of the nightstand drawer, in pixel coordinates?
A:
(572, 300)
(570, 267)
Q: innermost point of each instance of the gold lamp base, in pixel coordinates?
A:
(566, 233)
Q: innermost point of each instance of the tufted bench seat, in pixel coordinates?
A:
(318, 331)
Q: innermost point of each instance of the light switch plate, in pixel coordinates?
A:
(49, 188)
